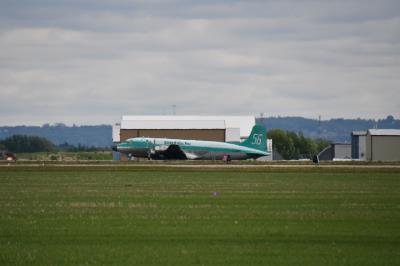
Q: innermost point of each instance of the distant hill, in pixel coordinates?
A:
(336, 130)
(89, 136)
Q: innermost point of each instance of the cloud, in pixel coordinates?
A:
(91, 62)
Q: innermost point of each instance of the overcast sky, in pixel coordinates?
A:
(90, 62)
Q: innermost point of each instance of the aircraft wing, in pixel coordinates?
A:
(175, 152)
(171, 152)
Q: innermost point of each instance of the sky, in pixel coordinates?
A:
(90, 62)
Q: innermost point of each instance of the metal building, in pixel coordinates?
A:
(336, 151)
(218, 128)
(383, 145)
(358, 145)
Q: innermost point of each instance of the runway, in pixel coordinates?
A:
(127, 165)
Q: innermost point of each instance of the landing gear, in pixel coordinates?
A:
(226, 158)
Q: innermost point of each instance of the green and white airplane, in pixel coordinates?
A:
(179, 149)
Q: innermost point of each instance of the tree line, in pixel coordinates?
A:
(27, 143)
(97, 136)
(336, 130)
(294, 146)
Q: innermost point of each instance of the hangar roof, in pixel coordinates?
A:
(359, 133)
(384, 132)
(245, 123)
(172, 124)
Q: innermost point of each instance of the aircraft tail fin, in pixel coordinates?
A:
(257, 139)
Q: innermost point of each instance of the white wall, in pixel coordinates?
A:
(232, 134)
(115, 132)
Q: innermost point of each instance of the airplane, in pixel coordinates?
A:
(253, 147)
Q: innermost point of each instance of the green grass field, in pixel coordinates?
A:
(168, 216)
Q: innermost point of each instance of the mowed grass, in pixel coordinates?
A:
(79, 216)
